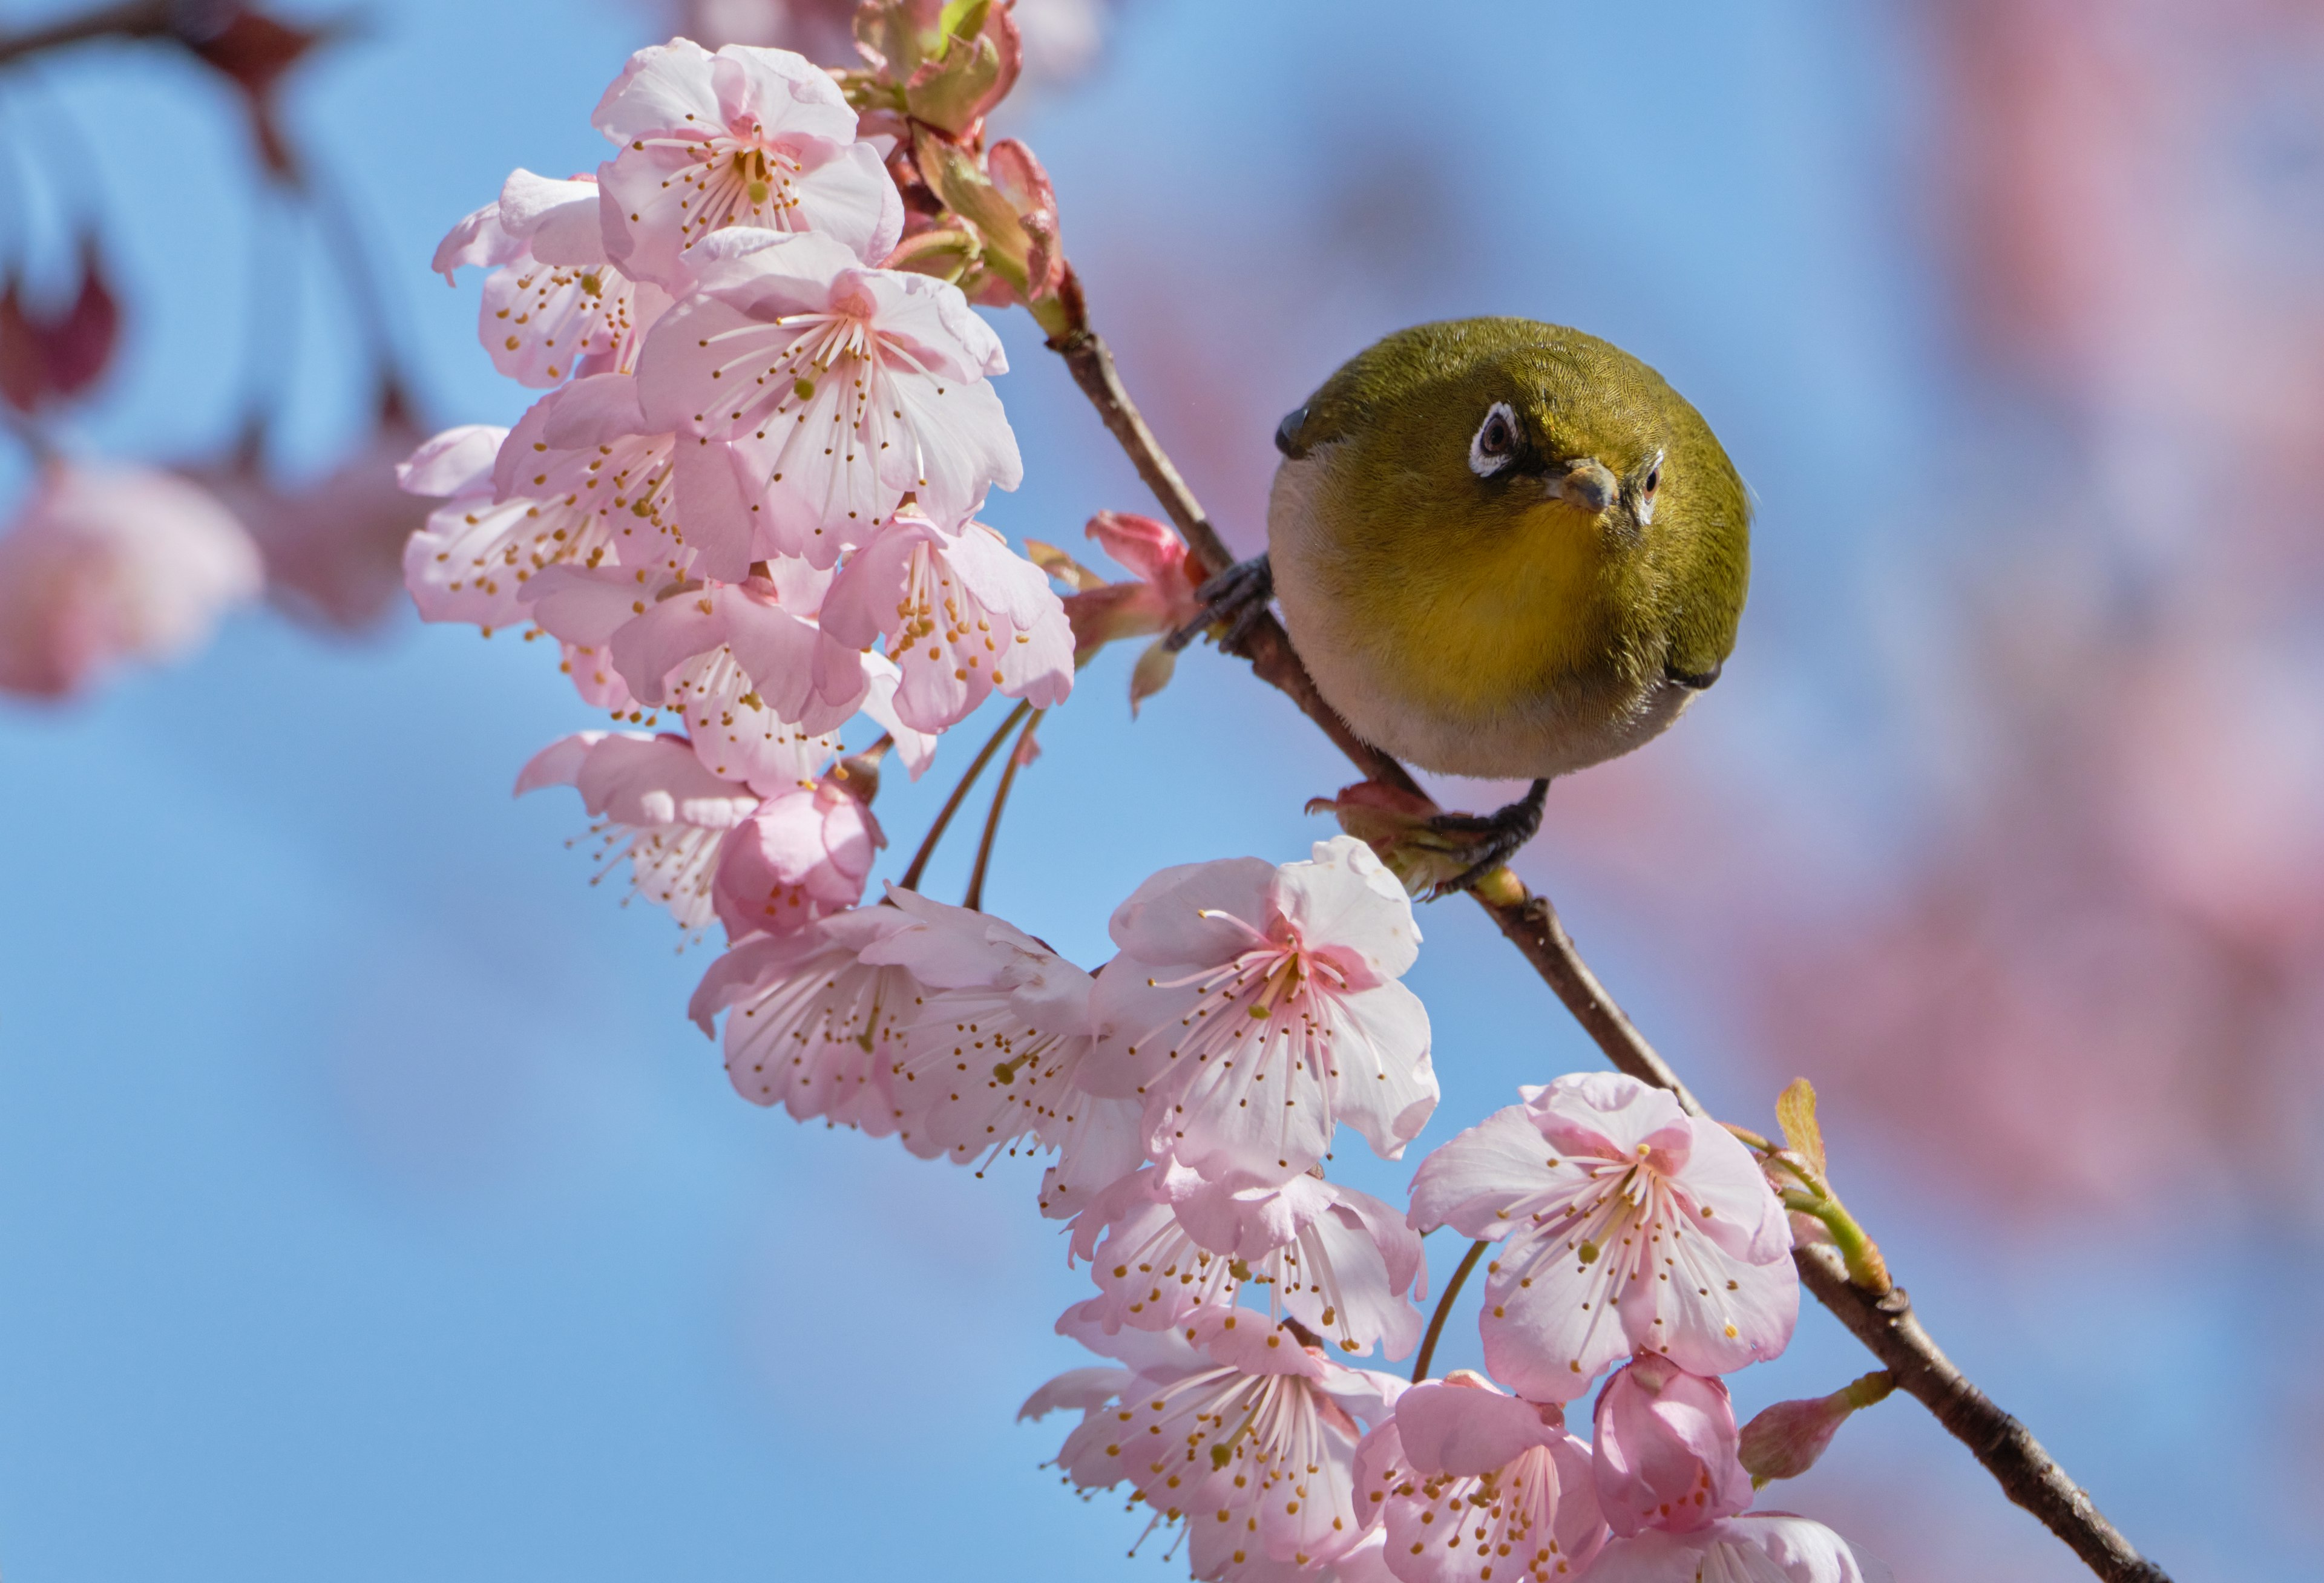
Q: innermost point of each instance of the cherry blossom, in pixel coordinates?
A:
(658, 807)
(1235, 974)
(802, 853)
(1246, 1435)
(1159, 601)
(810, 1024)
(746, 136)
(333, 545)
(734, 730)
(586, 448)
(964, 616)
(1758, 1547)
(842, 388)
(1667, 1449)
(995, 1050)
(102, 566)
(553, 305)
(1626, 1225)
(1339, 1261)
(1471, 1485)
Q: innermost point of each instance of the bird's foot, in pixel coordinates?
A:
(1233, 604)
(1495, 837)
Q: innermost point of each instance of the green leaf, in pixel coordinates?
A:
(1796, 1112)
(963, 19)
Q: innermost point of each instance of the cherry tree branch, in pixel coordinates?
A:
(1884, 1322)
(134, 19)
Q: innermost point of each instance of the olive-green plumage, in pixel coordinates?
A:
(1505, 549)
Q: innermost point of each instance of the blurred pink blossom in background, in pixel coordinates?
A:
(106, 565)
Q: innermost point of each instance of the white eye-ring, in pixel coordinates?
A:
(1494, 445)
(1646, 488)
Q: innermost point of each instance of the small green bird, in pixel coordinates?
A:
(1503, 549)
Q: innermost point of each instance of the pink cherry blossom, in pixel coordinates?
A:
(1666, 1449)
(993, 1054)
(734, 731)
(1247, 1437)
(1255, 1007)
(842, 388)
(789, 664)
(1625, 1224)
(802, 854)
(745, 137)
(1471, 1485)
(1157, 601)
(810, 1024)
(1758, 1547)
(333, 546)
(106, 565)
(1339, 1261)
(658, 807)
(964, 617)
(553, 305)
(651, 503)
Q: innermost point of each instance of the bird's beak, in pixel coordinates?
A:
(1586, 484)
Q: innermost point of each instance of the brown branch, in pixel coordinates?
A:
(134, 19)
(1885, 1324)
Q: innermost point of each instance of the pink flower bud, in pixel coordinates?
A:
(802, 855)
(1784, 1441)
(54, 356)
(1666, 1449)
(1395, 823)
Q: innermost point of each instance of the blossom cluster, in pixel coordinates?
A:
(748, 500)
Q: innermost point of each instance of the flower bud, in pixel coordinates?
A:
(1396, 826)
(1666, 1449)
(1784, 1441)
(54, 356)
(803, 854)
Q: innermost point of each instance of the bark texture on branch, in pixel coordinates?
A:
(1885, 1324)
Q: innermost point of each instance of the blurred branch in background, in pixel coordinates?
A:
(82, 595)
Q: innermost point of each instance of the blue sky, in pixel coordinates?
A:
(367, 1208)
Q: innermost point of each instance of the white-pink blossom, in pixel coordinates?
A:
(102, 566)
(1242, 1433)
(802, 854)
(810, 1024)
(841, 387)
(1470, 1486)
(1667, 1449)
(1758, 1547)
(993, 1054)
(964, 617)
(1340, 1262)
(789, 664)
(554, 305)
(640, 501)
(746, 136)
(734, 731)
(1255, 1007)
(1626, 1226)
(657, 807)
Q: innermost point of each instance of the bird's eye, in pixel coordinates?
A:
(1495, 443)
(1646, 487)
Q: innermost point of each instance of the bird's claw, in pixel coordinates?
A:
(1234, 601)
(1498, 836)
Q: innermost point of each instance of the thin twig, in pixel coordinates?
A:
(974, 899)
(2025, 1472)
(137, 19)
(911, 880)
(1444, 1309)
